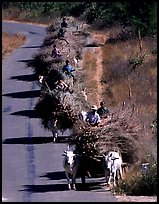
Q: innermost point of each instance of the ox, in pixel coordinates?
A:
(71, 165)
(52, 125)
(113, 162)
(82, 115)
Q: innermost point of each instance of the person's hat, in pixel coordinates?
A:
(94, 107)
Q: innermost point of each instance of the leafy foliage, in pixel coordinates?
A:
(139, 15)
(137, 61)
(140, 183)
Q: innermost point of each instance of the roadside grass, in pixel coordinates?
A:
(11, 42)
(134, 82)
(123, 82)
(139, 182)
(90, 69)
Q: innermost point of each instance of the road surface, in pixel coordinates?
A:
(31, 164)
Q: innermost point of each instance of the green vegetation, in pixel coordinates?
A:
(138, 15)
(139, 182)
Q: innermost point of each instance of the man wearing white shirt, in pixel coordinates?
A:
(93, 117)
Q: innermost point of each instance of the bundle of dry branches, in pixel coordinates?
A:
(121, 133)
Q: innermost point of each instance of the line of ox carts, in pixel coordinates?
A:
(76, 165)
(112, 163)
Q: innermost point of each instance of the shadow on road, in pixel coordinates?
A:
(89, 185)
(45, 188)
(33, 47)
(30, 77)
(94, 186)
(28, 140)
(31, 32)
(24, 94)
(26, 113)
(33, 140)
(26, 61)
(55, 175)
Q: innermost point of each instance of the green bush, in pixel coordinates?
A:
(136, 62)
(139, 15)
(139, 183)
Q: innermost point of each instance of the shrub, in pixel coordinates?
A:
(137, 61)
(40, 64)
(139, 183)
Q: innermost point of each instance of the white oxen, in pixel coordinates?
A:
(83, 115)
(71, 165)
(113, 162)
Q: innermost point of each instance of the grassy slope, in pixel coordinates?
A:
(11, 42)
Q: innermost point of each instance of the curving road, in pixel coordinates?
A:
(31, 164)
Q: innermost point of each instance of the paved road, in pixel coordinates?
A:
(31, 164)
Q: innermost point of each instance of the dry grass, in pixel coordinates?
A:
(119, 79)
(139, 85)
(90, 69)
(90, 77)
(11, 42)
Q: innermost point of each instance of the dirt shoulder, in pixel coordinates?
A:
(137, 198)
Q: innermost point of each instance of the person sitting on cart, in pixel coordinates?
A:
(64, 23)
(68, 69)
(55, 52)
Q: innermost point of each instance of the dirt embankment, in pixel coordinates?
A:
(94, 45)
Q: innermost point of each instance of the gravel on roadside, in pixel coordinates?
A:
(136, 198)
